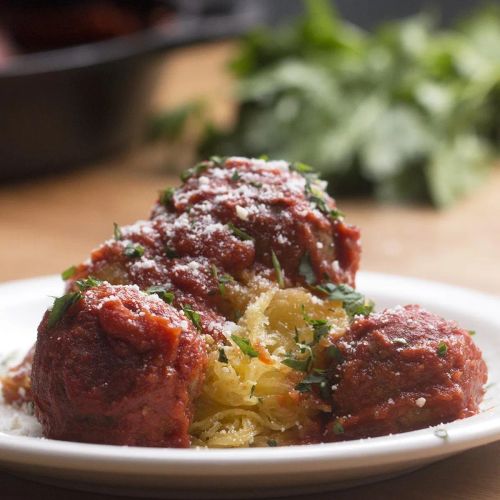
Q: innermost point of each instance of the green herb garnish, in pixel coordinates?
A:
(89, 282)
(471, 332)
(301, 365)
(239, 233)
(68, 273)
(320, 326)
(171, 253)
(337, 427)
(277, 270)
(193, 316)
(301, 168)
(164, 294)
(317, 379)
(442, 349)
(256, 185)
(194, 171)
(353, 302)
(252, 390)
(333, 352)
(222, 279)
(222, 356)
(117, 232)
(272, 443)
(167, 196)
(244, 345)
(336, 214)
(306, 270)
(235, 177)
(133, 251)
(60, 306)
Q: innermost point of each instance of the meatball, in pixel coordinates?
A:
(234, 214)
(119, 367)
(401, 370)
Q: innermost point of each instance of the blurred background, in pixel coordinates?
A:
(397, 104)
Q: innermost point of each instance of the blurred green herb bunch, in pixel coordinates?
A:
(409, 112)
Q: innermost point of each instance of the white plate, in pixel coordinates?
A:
(255, 472)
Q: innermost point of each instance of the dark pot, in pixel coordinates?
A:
(74, 105)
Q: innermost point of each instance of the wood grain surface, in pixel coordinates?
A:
(50, 223)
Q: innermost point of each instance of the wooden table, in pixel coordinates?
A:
(48, 224)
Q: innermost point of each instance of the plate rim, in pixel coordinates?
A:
(415, 445)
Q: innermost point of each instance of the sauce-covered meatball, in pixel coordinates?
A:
(118, 367)
(403, 369)
(235, 217)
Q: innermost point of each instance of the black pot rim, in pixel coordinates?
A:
(182, 31)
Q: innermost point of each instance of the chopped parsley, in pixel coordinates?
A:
(471, 332)
(218, 160)
(301, 365)
(222, 356)
(60, 306)
(336, 214)
(277, 269)
(301, 168)
(195, 171)
(306, 270)
(222, 279)
(239, 233)
(272, 443)
(133, 251)
(264, 157)
(193, 316)
(337, 427)
(167, 196)
(164, 294)
(117, 232)
(68, 273)
(87, 283)
(256, 185)
(317, 379)
(235, 177)
(171, 253)
(353, 302)
(442, 349)
(244, 345)
(333, 352)
(320, 326)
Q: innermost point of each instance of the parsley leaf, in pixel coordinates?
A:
(164, 294)
(194, 171)
(68, 273)
(60, 306)
(222, 279)
(89, 282)
(320, 326)
(117, 232)
(315, 379)
(353, 302)
(245, 346)
(277, 269)
(442, 349)
(167, 196)
(336, 214)
(301, 365)
(170, 253)
(337, 427)
(193, 316)
(272, 443)
(222, 356)
(333, 352)
(133, 251)
(306, 270)
(235, 177)
(239, 233)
